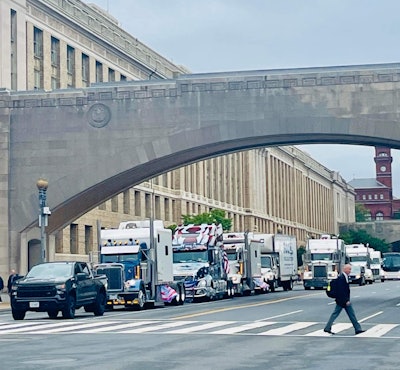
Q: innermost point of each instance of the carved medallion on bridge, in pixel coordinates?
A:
(99, 115)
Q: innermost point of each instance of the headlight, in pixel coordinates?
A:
(14, 287)
(358, 276)
(60, 286)
(202, 283)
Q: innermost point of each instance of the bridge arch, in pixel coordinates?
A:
(93, 143)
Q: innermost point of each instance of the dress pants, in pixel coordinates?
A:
(350, 312)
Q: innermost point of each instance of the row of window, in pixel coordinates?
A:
(378, 216)
(70, 61)
(370, 197)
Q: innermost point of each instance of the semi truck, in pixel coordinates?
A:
(359, 255)
(278, 260)
(244, 255)
(323, 261)
(376, 264)
(200, 262)
(137, 259)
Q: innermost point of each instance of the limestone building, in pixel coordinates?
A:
(61, 44)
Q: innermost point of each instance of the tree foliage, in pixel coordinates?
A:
(361, 236)
(216, 216)
(362, 213)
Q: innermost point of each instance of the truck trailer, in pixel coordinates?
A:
(244, 255)
(137, 259)
(278, 260)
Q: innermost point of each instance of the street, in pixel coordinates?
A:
(281, 330)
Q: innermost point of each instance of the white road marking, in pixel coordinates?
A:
(288, 328)
(237, 329)
(284, 314)
(206, 326)
(159, 327)
(27, 328)
(117, 327)
(336, 328)
(70, 328)
(369, 317)
(377, 330)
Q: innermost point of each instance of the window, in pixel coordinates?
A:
(70, 60)
(364, 197)
(37, 43)
(369, 196)
(99, 72)
(111, 75)
(55, 52)
(85, 70)
(375, 196)
(382, 154)
(379, 216)
(380, 196)
(122, 78)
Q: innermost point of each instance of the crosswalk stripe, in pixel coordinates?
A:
(237, 329)
(288, 328)
(118, 327)
(159, 327)
(336, 328)
(28, 327)
(377, 330)
(192, 329)
(70, 328)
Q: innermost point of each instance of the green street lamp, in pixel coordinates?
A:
(44, 212)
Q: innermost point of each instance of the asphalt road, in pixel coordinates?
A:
(281, 330)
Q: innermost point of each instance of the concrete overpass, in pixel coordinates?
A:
(93, 143)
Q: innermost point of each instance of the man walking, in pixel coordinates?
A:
(343, 301)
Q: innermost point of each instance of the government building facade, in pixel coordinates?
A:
(68, 44)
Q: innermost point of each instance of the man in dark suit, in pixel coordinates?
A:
(343, 302)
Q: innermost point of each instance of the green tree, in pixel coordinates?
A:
(362, 213)
(216, 216)
(361, 236)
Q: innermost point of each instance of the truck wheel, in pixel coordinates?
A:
(99, 305)
(18, 315)
(182, 293)
(141, 300)
(272, 286)
(52, 314)
(307, 287)
(291, 284)
(69, 310)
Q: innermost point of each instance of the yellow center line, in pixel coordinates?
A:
(243, 306)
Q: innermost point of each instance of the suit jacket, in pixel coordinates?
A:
(343, 291)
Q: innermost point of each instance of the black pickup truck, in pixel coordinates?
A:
(59, 286)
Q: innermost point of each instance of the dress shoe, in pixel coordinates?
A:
(329, 331)
(360, 331)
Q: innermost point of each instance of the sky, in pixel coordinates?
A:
(242, 35)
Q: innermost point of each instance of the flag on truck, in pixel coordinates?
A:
(168, 293)
(227, 268)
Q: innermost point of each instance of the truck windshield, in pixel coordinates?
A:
(321, 256)
(358, 259)
(190, 256)
(266, 262)
(51, 271)
(134, 258)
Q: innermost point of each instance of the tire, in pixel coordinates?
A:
(18, 315)
(382, 280)
(291, 284)
(141, 300)
(182, 293)
(307, 288)
(52, 314)
(69, 310)
(99, 306)
(272, 286)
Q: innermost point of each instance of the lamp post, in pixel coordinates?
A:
(44, 211)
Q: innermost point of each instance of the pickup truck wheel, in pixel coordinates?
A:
(52, 314)
(18, 315)
(100, 304)
(69, 310)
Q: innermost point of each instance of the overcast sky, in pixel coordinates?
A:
(236, 35)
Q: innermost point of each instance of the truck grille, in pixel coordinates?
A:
(36, 291)
(320, 272)
(114, 277)
(375, 272)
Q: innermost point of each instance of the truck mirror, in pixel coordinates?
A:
(81, 276)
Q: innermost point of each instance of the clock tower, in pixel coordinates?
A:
(383, 166)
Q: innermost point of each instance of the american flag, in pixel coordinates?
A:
(261, 283)
(227, 268)
(167, 293)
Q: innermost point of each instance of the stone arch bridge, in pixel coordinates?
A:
(94, 143)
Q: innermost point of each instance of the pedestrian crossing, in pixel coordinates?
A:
(256, 328)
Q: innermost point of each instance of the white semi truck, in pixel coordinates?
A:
(278, 260)
(359, 255)
(137, 259)
(376, 264)
(323, 261)
(200, 262)
(244, 255)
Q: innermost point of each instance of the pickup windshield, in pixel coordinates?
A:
(50, 271)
